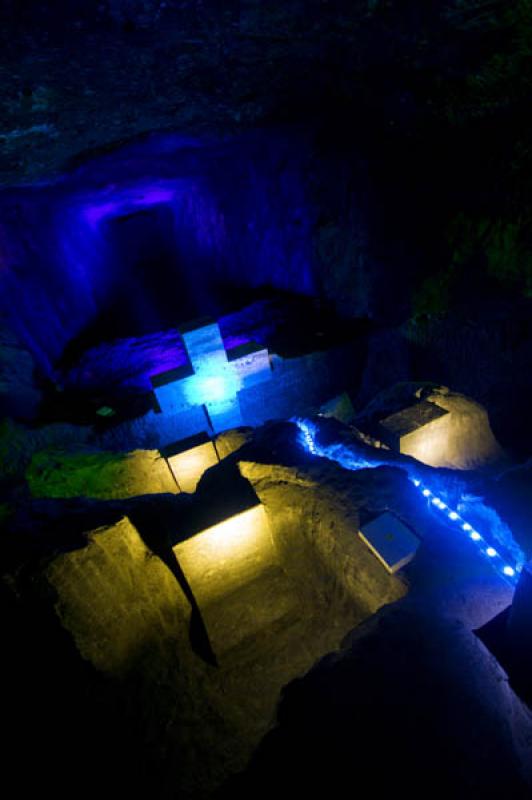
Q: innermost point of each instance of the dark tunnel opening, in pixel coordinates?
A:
(151, 281)
(152, 288)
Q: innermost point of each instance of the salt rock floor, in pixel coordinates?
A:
(314, 693)
(243, 691)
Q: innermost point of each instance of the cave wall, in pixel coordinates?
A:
(423, 148)
(275, 209)
(242, 220)
(436, 97)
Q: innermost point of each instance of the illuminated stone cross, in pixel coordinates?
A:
(214, 378)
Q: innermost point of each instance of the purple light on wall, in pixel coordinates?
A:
(127, 201)
(95, 214)
(236, 215)
(231, 342)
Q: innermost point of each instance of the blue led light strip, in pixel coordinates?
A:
(307, 437)
(507, 571)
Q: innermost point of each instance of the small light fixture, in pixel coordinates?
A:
(491, 552)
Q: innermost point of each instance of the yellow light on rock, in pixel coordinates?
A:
(234, 573)
(219, 559)
(444, 430)
(188, 463)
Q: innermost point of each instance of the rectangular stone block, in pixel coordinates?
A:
(251, 364)
(224, 414)
(409, 430)
(172, 389)
(204, 345)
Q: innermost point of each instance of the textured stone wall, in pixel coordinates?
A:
(315, 530)
(238, 217)
(121, 604)
(99, 474)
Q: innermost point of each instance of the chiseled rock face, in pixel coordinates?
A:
(121, 604)
(19, 395)
(19, 443)
(468, 441)
(459, 439)
(405, 677)
(511, 496)
(314, 525)
(230, 441)
(98, 474)
(128, 617)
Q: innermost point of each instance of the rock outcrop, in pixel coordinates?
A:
(98, 474)
(457, 435)
(122, 605)
(19, 395)
(314, 522)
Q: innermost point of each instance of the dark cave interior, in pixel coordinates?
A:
(265, 430)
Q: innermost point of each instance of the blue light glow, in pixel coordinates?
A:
(341, 455)
(211, 388)
(126, 201)
(507, 570)
(308, 437)
(439, 503)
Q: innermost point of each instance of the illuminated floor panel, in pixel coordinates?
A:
(237, 582)
(223, 558)
(188, 466)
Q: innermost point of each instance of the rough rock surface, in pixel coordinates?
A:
(189, 64)
(460, 439)
(97, 474)
(119, 602)
(230, 441)
(19, 395)
(314, 526)
(405, 676)
(482, 354)
(19, 443)
(382, 88)
(200, 723)
(511, 495)
(470, 443)
(339, 407)
(184, 725)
